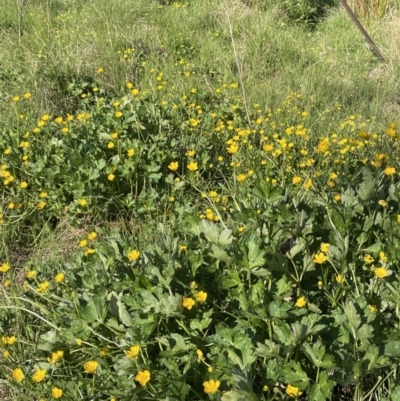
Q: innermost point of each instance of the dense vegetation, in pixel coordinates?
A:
(199, 200)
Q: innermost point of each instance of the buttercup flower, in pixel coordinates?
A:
(143, 377)
(56, 392)
(18, 374)
(293, 391)
(192, 166)
(200, 356)
(201, 296)
(133, 351)
(301, 302)
(188, 303)
(39, 375)
(211, 386)
(381, 272)
(92, 235)
(59, 277)
(43, 287)
(133, 255)
(5, 267)
(90, 366)
(324, 247)
(320, 258)
(173, 166)
(56, 356)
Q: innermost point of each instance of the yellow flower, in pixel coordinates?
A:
(324, 247)
(133, 255)
(18, 374)
(182, 248)
(296, 179)
(6, 354)
(15, 98)
(39, 375)
(190, 153)
(301, 302)
(43, 287)
(201, 296)
(23, 184)
(308, 184)
(200, 356)
(100, 70)
(337, 198)
(90, 366)
(133, 351)
(7, 151)
(293, 391)
(383, 257)
(389, 171)
(320, 258)
(188, 303)
(211, 386)
(340, 279)
(143, 377)
(241, 177)
(130, 152)
(27, 95)
(110, 145)
(382, 202)
(233, 148)
(368, 259)
(110, 177)
(398, 218)
(373, 308)
(89, 251)
(83, 202)
(8, 340)
(323, 145)
(92, 235)
(56, 356)
(118, 114)
(31, 274)
(173, 166)
(4, 268)
(41, 205)
(83, 243)
(56, 392)
(192, 166)
(59, 277)
(381, 272)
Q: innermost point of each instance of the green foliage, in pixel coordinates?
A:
(162, 238)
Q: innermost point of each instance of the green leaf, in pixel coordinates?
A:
(180, 342)
(315, 393)
(255, 255)
(210, 230)
(95, 310)
(393, 349)
(225, 238)
(268, 350)
(219, 254)
(293, 373)
(352, 316)
(367, 190)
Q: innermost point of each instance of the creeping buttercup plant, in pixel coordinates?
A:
(176, 243)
